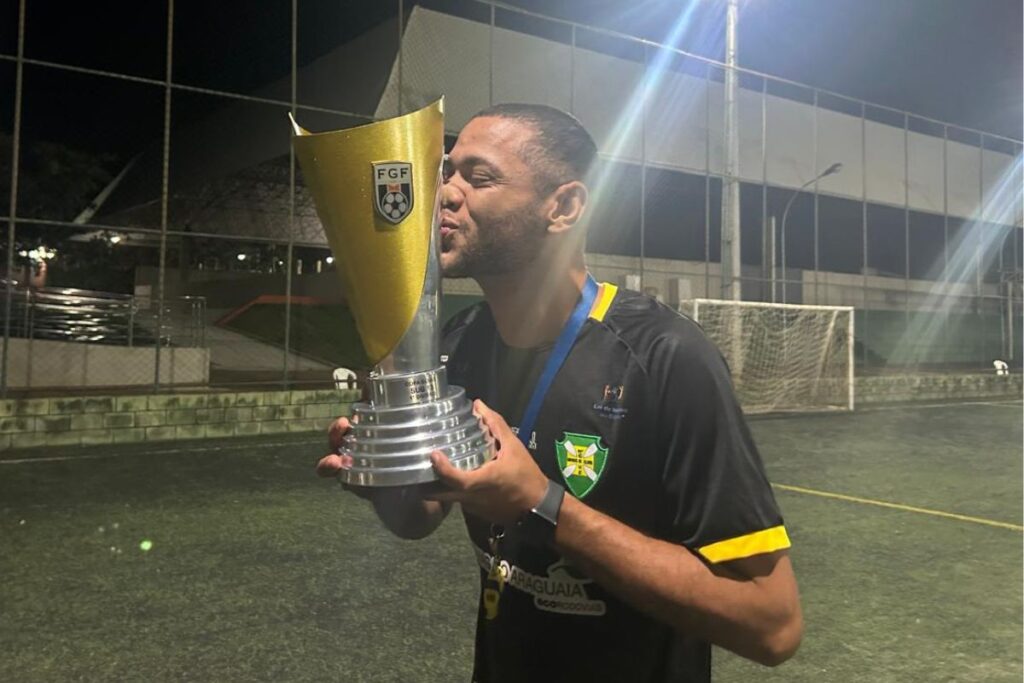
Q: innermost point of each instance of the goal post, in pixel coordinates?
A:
(783, 357)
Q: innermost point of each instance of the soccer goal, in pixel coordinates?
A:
(783, 357)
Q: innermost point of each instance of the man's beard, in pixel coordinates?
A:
(498, 249)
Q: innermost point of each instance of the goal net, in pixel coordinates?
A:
(783, 357)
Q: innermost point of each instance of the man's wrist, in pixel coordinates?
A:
(539, 524)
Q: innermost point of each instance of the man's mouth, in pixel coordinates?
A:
(448, 226)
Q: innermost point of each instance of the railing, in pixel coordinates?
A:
(76, 315)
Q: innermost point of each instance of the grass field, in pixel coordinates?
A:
(260, 572)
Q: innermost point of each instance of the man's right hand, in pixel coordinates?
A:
(333, 463)
(401, 508)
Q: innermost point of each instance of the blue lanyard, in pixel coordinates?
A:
(558, 355)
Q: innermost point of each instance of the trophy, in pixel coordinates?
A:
(377, 191)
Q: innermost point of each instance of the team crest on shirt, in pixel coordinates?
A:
(581, 459)
(392, 183)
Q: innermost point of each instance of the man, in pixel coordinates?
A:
(633, 525)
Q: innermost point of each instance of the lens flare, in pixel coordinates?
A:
(959, 286)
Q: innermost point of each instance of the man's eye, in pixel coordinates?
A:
(481, 179)
(447, 169)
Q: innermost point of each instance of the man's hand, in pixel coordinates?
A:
(500, 491)
(333, 463)
(402, 508)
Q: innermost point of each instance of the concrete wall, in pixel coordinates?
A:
(36, 363)
(827, 289)
(945, 324)
(126, 419)
(658, 274)
(879, 293)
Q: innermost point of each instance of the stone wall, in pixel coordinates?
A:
(94, 420)
(938, 387)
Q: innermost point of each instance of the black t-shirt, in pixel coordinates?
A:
(642, 424)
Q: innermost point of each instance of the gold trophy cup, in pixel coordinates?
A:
(377, 189)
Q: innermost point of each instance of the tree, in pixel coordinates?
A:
(55, 182)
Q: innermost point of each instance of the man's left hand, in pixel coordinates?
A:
(502, 490)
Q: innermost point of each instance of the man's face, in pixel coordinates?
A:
(491, 212)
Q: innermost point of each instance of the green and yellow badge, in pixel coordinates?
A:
(581, 460)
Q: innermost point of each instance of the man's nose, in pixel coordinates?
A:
(451, 195)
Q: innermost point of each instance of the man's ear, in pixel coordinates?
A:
(566, 206)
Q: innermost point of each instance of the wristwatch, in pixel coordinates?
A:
(538, 525)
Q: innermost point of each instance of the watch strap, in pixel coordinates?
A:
(550, 505)
(539, 524)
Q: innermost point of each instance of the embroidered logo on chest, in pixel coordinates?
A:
(610, 405)
(581, 460)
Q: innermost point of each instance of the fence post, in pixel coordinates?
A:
(131, 322)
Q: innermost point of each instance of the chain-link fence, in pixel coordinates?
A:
(61, 337)
(159, 177)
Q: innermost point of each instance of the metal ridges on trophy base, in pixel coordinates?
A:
(391, 445)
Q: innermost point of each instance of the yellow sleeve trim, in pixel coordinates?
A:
(603, 301)
(766, 541)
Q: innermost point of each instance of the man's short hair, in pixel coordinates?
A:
(563, 149)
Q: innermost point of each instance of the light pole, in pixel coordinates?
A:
(730, 235)
(833, 169)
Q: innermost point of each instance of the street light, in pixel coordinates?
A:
(732, 270)
(831, 170)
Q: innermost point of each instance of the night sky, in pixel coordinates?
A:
(954, 60)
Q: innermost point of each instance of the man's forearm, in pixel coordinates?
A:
(757, 617)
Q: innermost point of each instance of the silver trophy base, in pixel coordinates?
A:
(408, 418)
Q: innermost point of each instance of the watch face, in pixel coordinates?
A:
(536, 529)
